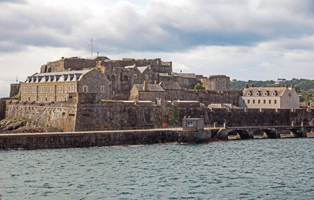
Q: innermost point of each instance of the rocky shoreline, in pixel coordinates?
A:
(22, 125)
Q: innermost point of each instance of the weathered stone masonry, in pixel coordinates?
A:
(119, 115)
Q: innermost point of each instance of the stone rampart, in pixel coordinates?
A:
(125, 115)
(61, 115)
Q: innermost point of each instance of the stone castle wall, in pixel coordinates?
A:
(120, 115)
(14, 89)
(60, 115)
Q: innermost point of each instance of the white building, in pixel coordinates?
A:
(269, 97)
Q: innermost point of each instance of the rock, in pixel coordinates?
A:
(18, 125)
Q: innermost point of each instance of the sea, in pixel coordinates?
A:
(235, 169)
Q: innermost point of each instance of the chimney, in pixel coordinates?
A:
(155, 81)
(62, 58)
(252, 85)
(246, 85)
(145, 86)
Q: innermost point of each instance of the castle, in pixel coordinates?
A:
(120, 80)
(76, 94)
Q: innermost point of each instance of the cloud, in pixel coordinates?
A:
(13, 1)
(160, 26)
(4, 89)
(266, 64)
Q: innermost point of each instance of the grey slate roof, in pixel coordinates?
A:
(186, 75)
(151, 87)
(170, 85)
(57, 76)
(264, 91)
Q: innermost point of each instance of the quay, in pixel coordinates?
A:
(31, 141)
(192, 132)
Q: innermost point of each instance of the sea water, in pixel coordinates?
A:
(242, 169)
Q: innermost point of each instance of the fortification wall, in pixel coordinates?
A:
(119, 115)
(124, 115)
(257, 117)
(61, 115)
(14, 89)
(2, 108)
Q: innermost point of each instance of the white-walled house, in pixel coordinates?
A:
(269, 97)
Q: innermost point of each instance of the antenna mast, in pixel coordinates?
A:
(91, 48)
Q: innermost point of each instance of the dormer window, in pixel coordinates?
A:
(275, 93)
(266, 93)
(249, 93)
(258, 93)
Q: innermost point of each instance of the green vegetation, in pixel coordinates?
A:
(299, 84)
(306, 95)
(303, 87)
(176, 117)
(199, 86)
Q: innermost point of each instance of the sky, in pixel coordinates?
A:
(243, 39)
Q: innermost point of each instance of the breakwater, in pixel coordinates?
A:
(32, 141)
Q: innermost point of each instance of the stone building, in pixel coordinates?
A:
(216, 82)
(172, 90)
(269, 97)
(56, 86)
(149, 92)
(73, 63)
(185, 80)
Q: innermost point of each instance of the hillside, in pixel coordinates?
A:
(299, 84)
(304, 87)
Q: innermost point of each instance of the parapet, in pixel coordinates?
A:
(187, 104)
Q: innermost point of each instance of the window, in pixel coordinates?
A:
(61, 89)
(248, 101)
(52, 89)
(259, 101)
(189, 124)
(275, 101)
(269, 101)
(243, 101)
(264, 101)
(46, 89)
(141, 96)
(102, 89)
(186, 81)
(65, 89)
(85, 89)
(135, 76)
(253, 101)
(146, 76)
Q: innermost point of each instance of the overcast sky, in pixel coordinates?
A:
(257, 40)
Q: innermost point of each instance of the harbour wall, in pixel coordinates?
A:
(32, 141)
